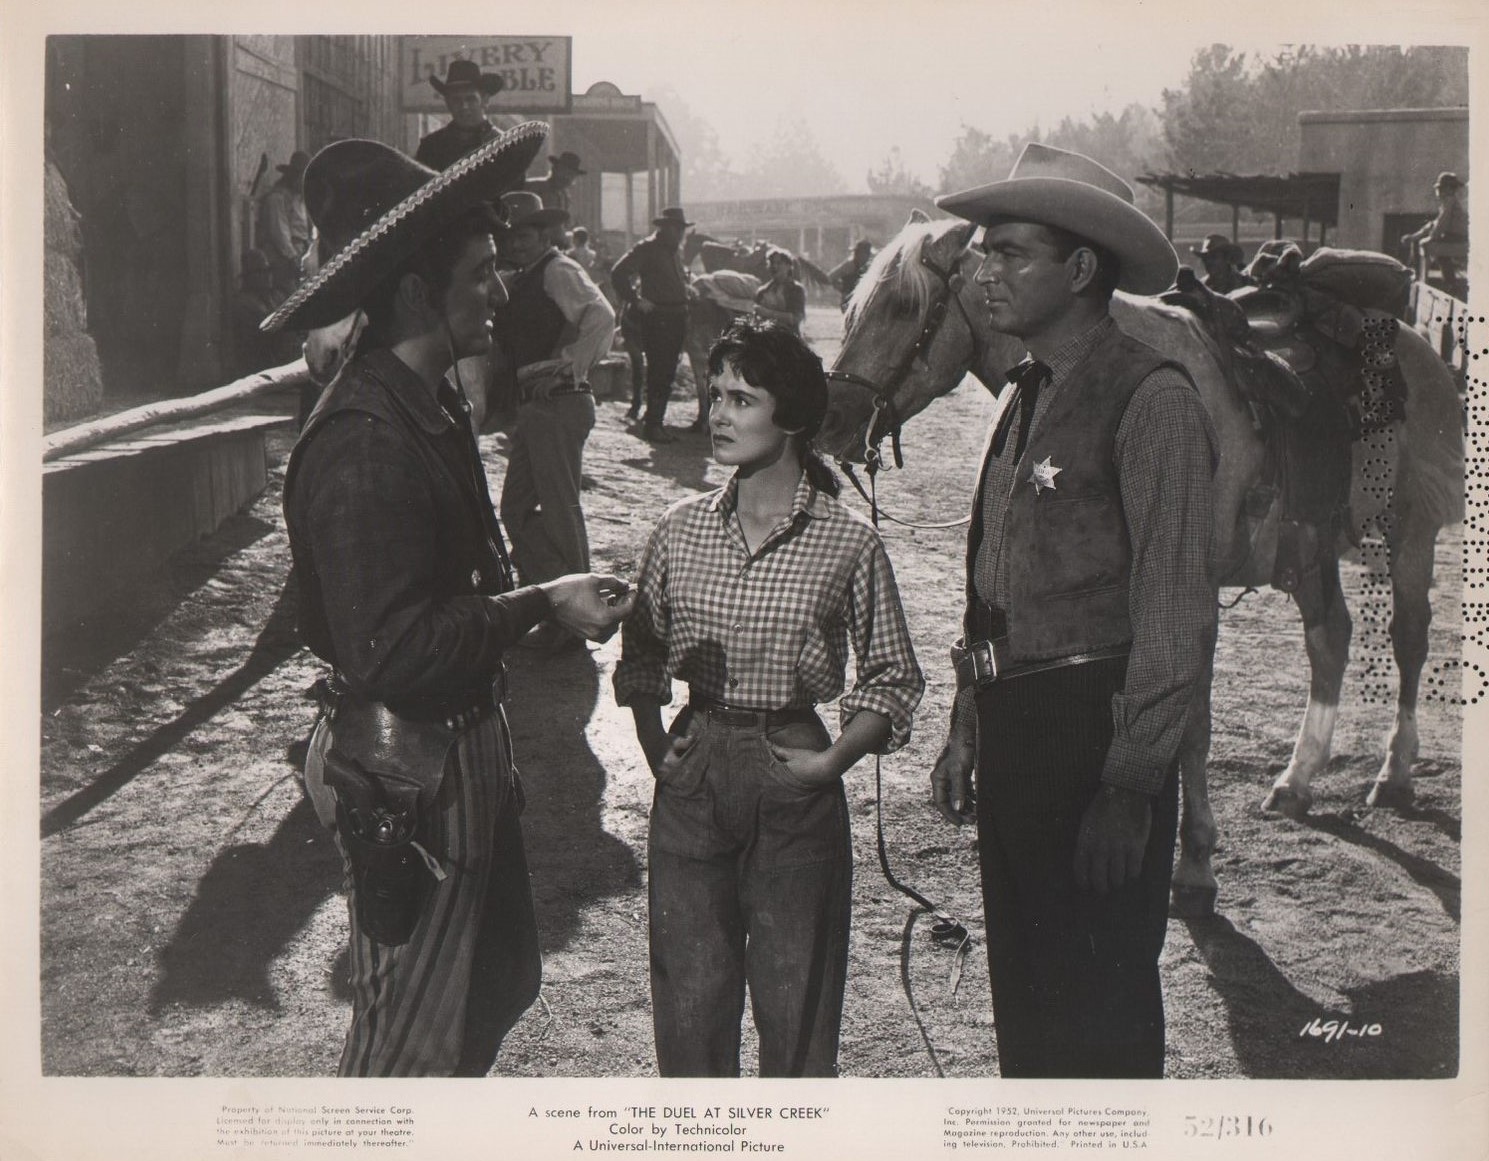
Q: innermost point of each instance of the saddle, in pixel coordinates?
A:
(1311, 348)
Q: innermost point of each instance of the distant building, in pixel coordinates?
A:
(823, 228)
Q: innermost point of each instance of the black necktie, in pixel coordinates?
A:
(1028, 377)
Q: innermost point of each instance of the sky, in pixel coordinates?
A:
(871, 75)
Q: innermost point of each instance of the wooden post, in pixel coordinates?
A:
(1235, 223)
(1168, 213)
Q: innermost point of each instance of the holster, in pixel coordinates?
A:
(385, 771)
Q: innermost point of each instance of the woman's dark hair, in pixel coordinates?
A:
(434, 261)
(768, 356)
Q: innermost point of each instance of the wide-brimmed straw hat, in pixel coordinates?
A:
(375, 206)
(674, 215)
(467, 74)
(525, 208)
(1055, 187)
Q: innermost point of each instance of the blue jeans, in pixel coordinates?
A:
(751, 880)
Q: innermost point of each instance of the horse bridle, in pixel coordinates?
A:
(884, 419)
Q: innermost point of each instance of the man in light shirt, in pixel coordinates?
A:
(555, 327)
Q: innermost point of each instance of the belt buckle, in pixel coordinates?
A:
(984, 662)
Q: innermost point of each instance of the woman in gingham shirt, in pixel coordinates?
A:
(752, 595)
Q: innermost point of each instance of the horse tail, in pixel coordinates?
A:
(1431, 479)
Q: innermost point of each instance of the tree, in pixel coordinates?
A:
(977, 159)
(707, 174)
(790, 164)
(892, 178)
(1239, 115)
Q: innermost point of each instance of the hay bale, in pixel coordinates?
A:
(72, 376)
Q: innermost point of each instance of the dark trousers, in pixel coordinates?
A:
(441, 1004)
(663, 331)
(1076, 990)
(750, 882)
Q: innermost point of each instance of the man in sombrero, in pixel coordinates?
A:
(1089, 625)
(406, 591)
(465, 89)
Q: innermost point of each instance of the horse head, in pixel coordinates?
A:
(914, 326)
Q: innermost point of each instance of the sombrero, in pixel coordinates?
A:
(375, 206)
(1055, 187)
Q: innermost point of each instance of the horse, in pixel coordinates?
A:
(917, 324)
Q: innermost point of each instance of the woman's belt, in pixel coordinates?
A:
(728, 715)
(982, 663)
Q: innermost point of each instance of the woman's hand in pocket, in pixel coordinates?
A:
(677, 749)
(814, 768)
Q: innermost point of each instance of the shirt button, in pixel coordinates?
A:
(738, 628)
(475, 578)
(733, 682)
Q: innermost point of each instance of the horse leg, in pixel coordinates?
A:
(1194, 887)
(1326, 633)
(1412, 545)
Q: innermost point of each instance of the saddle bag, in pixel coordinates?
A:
(384, 771)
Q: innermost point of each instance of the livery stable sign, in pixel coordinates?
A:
(537, 71)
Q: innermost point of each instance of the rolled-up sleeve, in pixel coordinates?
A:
(1165, 452)
(641, 674)
(889, 681)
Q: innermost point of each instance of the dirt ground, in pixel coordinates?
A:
(191, 922)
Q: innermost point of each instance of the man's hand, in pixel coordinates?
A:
(590, 605)
(1113, 836)
(951, 777)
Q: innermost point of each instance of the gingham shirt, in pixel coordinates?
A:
(1165, 458)
(769, 629)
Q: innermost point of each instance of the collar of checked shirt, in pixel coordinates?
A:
(807, 502)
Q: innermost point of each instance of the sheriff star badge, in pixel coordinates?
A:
(1043, 474)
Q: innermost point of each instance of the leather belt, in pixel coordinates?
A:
(728, 715)
(982, 663)
(455, 713)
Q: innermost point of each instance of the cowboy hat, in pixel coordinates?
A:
(672, 215)
(568, 159)
(467, 74)
(1215, 244)
(299, 159)
(525, 208)
(374, 207)
(1055, 187)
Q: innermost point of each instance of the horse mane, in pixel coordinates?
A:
(898, 270)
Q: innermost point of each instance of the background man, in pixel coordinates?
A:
(1223, 260)
(654, 288)
(845, 274)
(407, 592)
(1090, 623)
(555, 326)
(553, 187)
(284, 226)
(1444, 239)
(465, 89)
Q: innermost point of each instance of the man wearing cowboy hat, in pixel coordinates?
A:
(283, 225)
(406, 590)
(555, 326)
(554, 187)
(1222, 259)
(1445, 237)
(465, 89)
(654, 289)
(1089, 626)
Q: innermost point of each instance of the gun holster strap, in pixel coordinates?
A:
(400, 752)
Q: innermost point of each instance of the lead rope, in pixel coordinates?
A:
(947, 931)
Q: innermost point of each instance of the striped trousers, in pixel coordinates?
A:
(440, 1004)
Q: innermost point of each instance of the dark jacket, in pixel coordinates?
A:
(445, 146)
(404, 581)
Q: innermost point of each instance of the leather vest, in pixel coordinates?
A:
(471, 557)
(1066, 544)
(530, 324)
